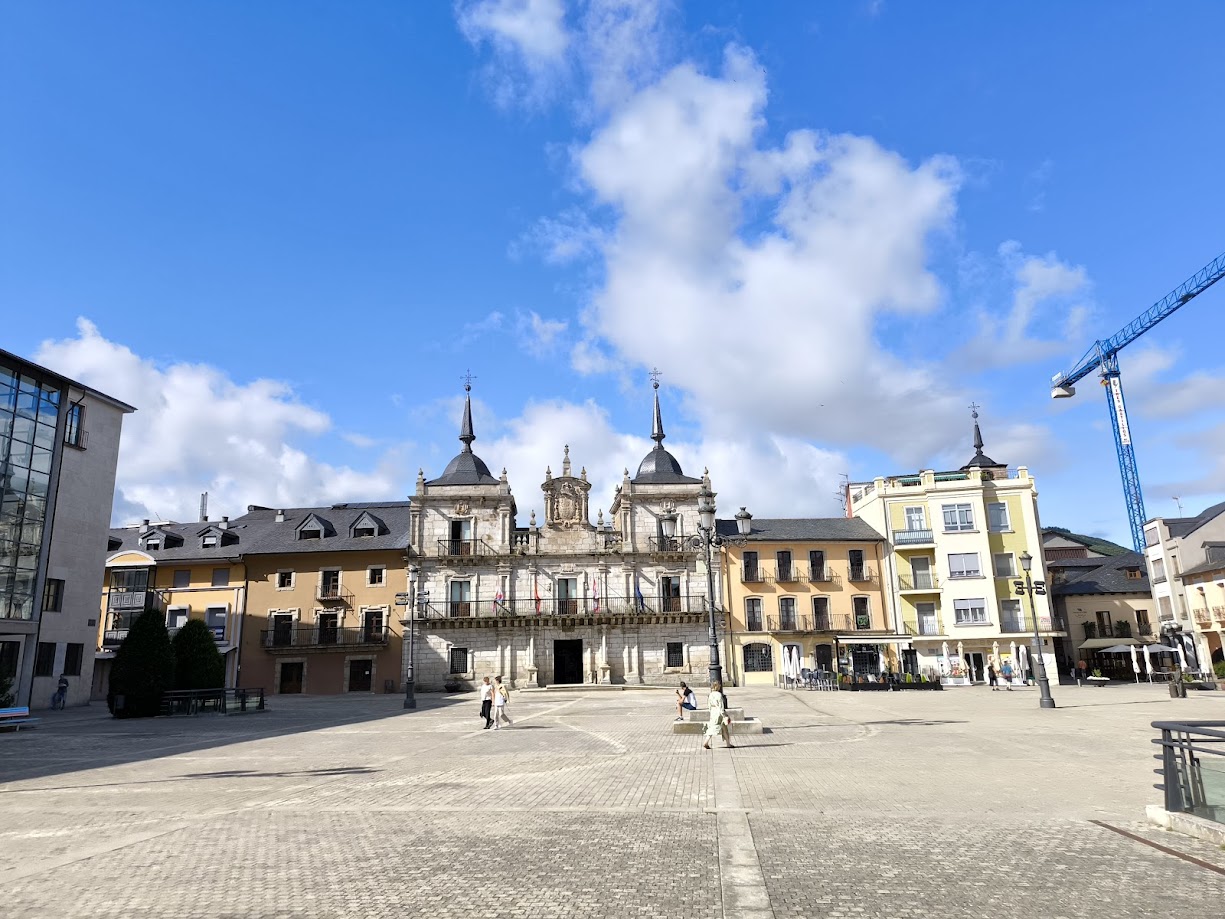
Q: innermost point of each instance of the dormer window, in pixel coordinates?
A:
(209, 541)
(153, 543)
(310, 533)
(363, 531)
(366, 526)
(1133, 574)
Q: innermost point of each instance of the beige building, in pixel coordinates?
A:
(956, 544)
(1204, 584)
(813, 585)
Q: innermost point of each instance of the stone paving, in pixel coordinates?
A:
(962, 803)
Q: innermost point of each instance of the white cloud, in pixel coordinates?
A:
(198, 430)
(1152, 394)
(529, 41)
(538, 336)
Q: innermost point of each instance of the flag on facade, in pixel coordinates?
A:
(595, 593)
(536, 591)
(638, 599)
(497, 600)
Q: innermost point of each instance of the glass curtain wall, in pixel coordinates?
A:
(29, 411)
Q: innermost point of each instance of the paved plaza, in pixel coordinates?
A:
(961, 803)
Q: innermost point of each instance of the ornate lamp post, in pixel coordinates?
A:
(708, 540)
(417, 597)
(1044, 684)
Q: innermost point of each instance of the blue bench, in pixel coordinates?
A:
(16, 718)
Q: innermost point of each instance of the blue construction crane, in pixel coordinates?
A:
(1104, 357)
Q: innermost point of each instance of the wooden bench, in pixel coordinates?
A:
(16, 718)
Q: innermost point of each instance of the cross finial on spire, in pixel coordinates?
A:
(655, 375)
(657, 424)
(468, 378)
(974, 407)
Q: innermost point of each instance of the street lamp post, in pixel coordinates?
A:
(1044, 684)
(410, 689)
(708, 540)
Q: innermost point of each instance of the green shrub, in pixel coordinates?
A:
(143, 669)
(197, 662)
(1219, 669)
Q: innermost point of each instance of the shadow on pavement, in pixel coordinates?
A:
(89, 738)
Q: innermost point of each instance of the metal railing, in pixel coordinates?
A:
(220, 701)
(1018, 624)
(669, 545)
(112, 638)
(120, 599)
(788, 624)
(925, 626)
(787, 574)
(584, 606)
(833, 622)
(334, 593)
(1193, 767)
(324, 636)
(911, 537)
(464, 548)
(820, 574)
(861, 574)
(752, 575)
(924, 582)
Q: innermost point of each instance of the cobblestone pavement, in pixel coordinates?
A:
(961, 803)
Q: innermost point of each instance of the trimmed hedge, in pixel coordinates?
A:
(143, 669)
(197, 662)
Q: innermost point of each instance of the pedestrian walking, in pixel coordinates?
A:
(1082, 671)
(60, 699)
(686, 701)
(717, 724)
(1006, 673)
(993, 677)
(487, 703)
(501, 696)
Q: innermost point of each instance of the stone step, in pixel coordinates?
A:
(702, 714)
(744, 726)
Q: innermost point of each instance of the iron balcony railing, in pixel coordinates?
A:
(787, 574)
(922, 582)
(753, 575)
(861, 574)
(585, 606)
(334, 593)
(1016, 624)
(832, 622)
(788, 624)
(819, 574)
(1193, 767)
(1159, 579)
(325, 636)
(669, 545)
(911, 537)
(119, 599)
(465, 548)
(926, 625)
(112, 638)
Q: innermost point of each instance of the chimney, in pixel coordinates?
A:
(224, 524)
(280, 516)
(144, 524)
(203, 506)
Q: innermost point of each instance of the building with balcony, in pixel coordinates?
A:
(1105, 602)
(59, 445)
(813, 584)
(1172, 545)
(954, 547)
(180, 570)
(560, 600)
(1204, 585)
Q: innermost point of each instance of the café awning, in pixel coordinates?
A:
(1097, 644)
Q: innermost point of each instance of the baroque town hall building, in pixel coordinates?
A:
(561, 600)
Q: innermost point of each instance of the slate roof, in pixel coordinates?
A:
(1215, 559)
(1182, 526)
(258, 533)
(804, 529)
(1109, 577)
(659, 467)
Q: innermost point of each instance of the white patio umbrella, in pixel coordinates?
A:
(995, 652)
(1182, 658)
(1012, 656)
(1022, 661)
(1135, 662)
(790, 664)
(961, 656)
(785, 664)
(944, 655)
(1148, 663)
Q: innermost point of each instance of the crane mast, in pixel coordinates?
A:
(1103, 356)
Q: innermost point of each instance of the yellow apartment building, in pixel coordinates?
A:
(957, 542)
(183, 571)
(321, 612)
(813, 584)
(1204, 584)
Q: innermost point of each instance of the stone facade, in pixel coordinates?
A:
(561, 600)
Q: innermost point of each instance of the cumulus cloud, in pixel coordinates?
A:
(1152, 393)
(539, 336)
(529, 40)
(197, 430)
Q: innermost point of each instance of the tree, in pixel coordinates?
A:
(143, 669)
(197, 662)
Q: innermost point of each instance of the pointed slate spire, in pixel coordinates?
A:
(657, 425)
(465, 431)
(978, 435)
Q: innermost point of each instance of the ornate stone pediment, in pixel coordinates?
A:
(565, 498)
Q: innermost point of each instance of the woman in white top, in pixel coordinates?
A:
(718, 716)
(500, 698)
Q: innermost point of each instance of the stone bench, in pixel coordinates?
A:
(740, 725)
(702, 714)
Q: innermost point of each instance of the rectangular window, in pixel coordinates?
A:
(363, 531)
(751, 569)
(783, 560)
(964, 565)
(312, 533)
(375, 576)
(863, 612)
(1133, 574)
(786, 613)
(1011, 619)
(820, 614)
(1151, 537)
(916, 518)
(176, 617)
(74, 430)
(44, 659)
(214, 618)
(752, 614)
(958, 518)
(182, 578)
(208, 541)
(1158, 569)
(284, 580)
(74, 653)
(857, 572)
(997, 517)
(675, 654)
(1005, 565)
(153, 543)
(459, 660)
(670, 594)
(1142, 622)
(816, 565)
(970, 612)
(53, 595)
(221, 577)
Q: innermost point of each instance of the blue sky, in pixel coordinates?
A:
(285, 231)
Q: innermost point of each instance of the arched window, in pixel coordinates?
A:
(758, 659)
